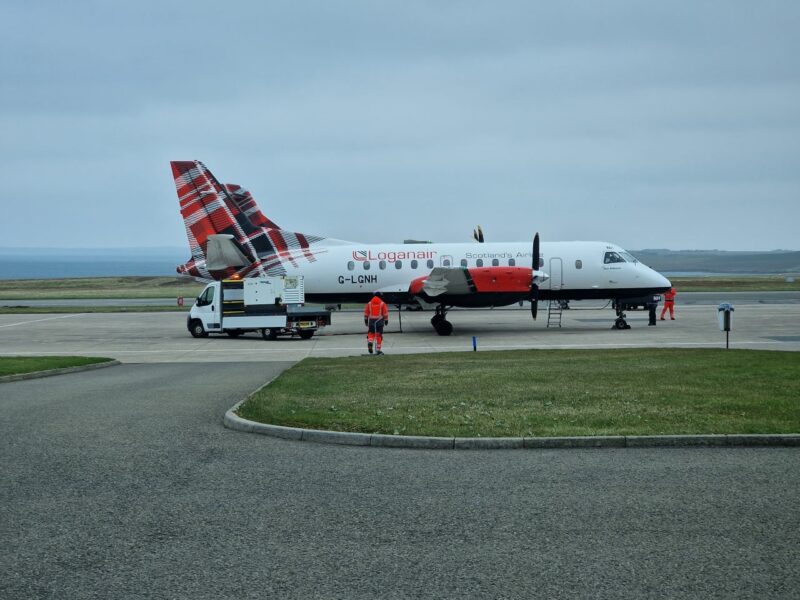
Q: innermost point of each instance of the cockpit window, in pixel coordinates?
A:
(613, 257)
(628, 257)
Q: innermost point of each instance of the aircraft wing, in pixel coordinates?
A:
(222, 252)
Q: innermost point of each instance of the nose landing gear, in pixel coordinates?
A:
(620, 322)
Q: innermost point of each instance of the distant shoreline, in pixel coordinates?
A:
(41, 263)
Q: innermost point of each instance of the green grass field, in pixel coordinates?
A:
(539, 393)
(17, 365)
(748, 283)
(49, 310)
(99, 287)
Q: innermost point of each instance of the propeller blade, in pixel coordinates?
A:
(534, 293)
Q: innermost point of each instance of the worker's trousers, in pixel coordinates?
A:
(375, 332)
(671, 307)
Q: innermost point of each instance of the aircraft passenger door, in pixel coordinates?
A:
(556, 272)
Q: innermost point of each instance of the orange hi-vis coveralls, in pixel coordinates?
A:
(376, 315)
(669, 303)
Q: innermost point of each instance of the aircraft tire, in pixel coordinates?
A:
(444, 327)
(196, 329)
(621, 324)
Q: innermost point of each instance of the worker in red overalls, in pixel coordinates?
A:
(669, 303)
(376, 315)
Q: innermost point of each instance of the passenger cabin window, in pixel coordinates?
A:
(382, 265)
(613, 257)
(366, 265)
(414, 264)
(398, 264)
(463, 262)
(579, 264)
(479, 262)
(511, 262)
(495, 262)
(446, 262)
(350, 265)
(430, 264)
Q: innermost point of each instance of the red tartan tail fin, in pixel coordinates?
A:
(228, 233)
(247, 204)
(208, 210)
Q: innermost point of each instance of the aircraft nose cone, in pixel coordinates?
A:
(660, 281)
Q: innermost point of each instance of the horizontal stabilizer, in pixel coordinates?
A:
(222, 253)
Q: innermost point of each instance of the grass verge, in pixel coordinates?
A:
(17, 365)
(539, 393)
(745, 283)
(99, 287)
(46, 310)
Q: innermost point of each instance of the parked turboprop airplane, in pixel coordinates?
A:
(230, 237)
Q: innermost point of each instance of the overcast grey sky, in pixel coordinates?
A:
(652, 125)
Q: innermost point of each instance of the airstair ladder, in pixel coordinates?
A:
(554, 314)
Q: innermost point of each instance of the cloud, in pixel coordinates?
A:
(623, 121)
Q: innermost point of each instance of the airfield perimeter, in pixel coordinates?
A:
(766, 321)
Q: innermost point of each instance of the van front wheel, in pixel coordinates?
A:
(196, 329)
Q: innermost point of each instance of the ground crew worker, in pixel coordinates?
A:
(376, 315)
(669, 303)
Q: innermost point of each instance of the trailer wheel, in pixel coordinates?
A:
(305, 334)
(269, 334)
(196, 329)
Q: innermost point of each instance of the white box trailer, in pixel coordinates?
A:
(271, 305)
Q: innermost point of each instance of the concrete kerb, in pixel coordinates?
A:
(52, 372)
(235, 422)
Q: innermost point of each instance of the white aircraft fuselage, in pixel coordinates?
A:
(347, 272)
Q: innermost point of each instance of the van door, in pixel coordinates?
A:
(206, 308)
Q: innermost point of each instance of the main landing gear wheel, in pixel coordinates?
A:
(444, 327)
(440, 323)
